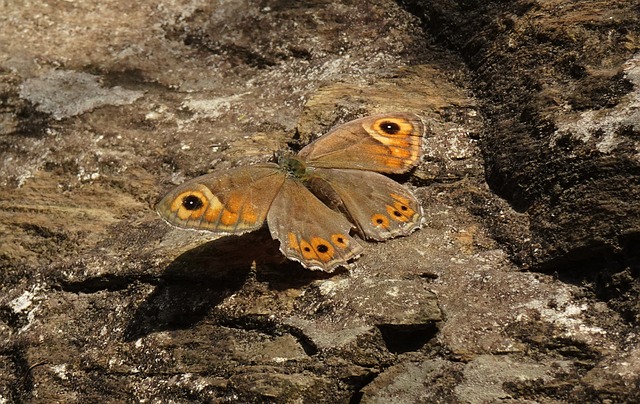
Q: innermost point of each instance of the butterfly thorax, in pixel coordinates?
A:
(292, 165)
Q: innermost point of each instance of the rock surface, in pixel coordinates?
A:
(522, 286)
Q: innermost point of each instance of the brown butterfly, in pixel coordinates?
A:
(311, 201)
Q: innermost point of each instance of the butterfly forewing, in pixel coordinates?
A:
(389, 143)
(309, 231)
(232, 202)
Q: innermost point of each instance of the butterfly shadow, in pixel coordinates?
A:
(201, 278)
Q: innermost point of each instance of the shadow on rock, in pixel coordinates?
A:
(199, 279)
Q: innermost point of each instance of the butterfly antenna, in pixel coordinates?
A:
(277, 156)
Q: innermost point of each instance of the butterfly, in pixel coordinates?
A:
(313, 200)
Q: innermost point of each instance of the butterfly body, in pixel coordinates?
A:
(293, 166)
(311, 201)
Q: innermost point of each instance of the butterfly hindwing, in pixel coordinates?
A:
(309, 231)
(379, 207)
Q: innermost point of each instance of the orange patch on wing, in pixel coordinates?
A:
(405, 127)
(380, 220)
(400, 198)
(376, 150)
(228, 218)
(249, 215)
(397, 142)
(293, 242)
(196, 214)
(184, 214)
(393, 162)
(400, 152)
(307, 250)
(402, 205)
(404, 209)
(340, 240)
(234, 203)
(212, 214)
(323, 249)
(396, 214)
(392, 157)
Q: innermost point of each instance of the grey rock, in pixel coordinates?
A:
(521, 286)
(63, 94)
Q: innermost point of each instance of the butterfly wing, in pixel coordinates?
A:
(389, 143)
(308, 230)
(235, 201)
(380, 207)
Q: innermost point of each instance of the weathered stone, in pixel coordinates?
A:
(287, 387)
(415, 382)
(104, 106)
(63, 94)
